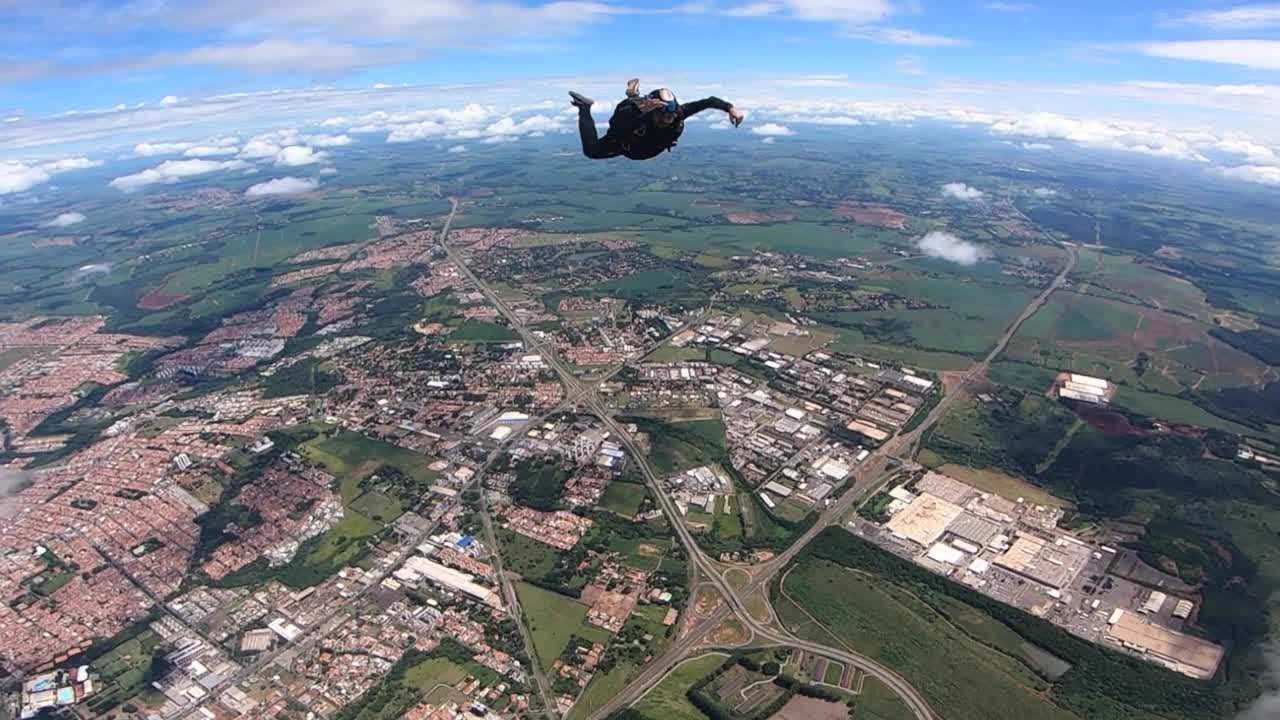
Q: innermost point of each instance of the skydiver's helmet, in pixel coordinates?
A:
(668, 97)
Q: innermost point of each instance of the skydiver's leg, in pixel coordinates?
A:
(594, 146)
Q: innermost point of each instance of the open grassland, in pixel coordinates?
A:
(954, 670)
(623, 498)
(677, 446)
(523, 555)
(479, 332)
(878, 702)
(1172, 409)
(1016, 433)
(668, 353)
(1104, 337)
(667, 701)
(967, 318)
(554, 619)
(353, 458)
(426, 675)
(347, 451)
(1142, 282)
(1006, 486)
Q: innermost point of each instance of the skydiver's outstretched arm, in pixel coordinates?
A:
(713, 103)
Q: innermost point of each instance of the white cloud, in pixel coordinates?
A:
(152, 149)
(769, 140)
(536, 123)
(901, 36)
(75, 163)
(1036, 146)
(500, 139)
(297, 155)
(1132, 137)
(1043, 192)
(1252, 151)
(282, 186)
(210, 151)
(324, 141)
(945, 246)
(961, 191)
(16, 177)
(171, 171)
(458, 149)
(170, 100)
(1261, 174)
(66, 219)
(910, 65)
(328, 171)
(259, 147)
(853, 12)
(772, 129)
(279, 55)
(1259, 54)
(1244, 17)
(755, 9)
(413, 131)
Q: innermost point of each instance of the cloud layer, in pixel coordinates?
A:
(18, 176)
(171, 171)
(282, 186)
(945, 246)
(961, 191)
(66, 219)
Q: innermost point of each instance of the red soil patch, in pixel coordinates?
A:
(877, 215)
(156, 300)
(758, 218)
(1110, 423)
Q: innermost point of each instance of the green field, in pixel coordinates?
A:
(1172, 409)
(353, 458)
(1106, 338)
(346, 451)
(679, 446)
(952, 668)
(523, 555)
(553, 619)
(1016, 432)
(623, 498)
(668, 353)
(1021, 375)
(125, 670)
(878, 702)
(426, 675)
(479, 331)
(667, 701)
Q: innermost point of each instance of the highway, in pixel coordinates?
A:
(870, 473)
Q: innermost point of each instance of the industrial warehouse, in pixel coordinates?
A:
(1014, 552)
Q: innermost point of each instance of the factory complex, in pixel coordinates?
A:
(1013, 551)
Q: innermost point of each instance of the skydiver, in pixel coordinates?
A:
(642, 127)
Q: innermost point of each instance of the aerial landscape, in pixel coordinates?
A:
(339, 384)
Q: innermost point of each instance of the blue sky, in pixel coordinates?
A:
(1191, 80)
(59, 56)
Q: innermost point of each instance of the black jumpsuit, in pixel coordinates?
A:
(637, 137)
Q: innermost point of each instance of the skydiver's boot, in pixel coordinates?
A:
(580, 100)
(633, 87)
